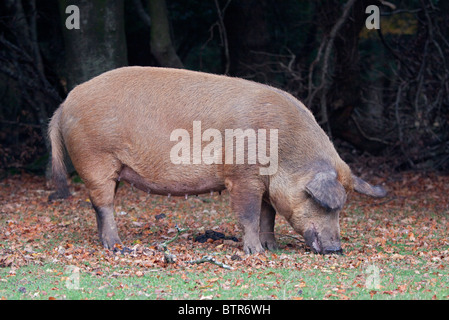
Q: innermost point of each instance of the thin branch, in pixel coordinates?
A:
(223, 33)
(289, 236)
(323, 87)
(311, 94)
(168, 257)
(211, 260)
(396, 55)
(179, 231)
(34, 41)
(142, 13)
(399, 11)
(353, 118)
(223, 36)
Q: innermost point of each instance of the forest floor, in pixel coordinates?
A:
(394, 248)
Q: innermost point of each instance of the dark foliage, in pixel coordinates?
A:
(380, 92)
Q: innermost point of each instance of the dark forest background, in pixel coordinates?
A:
(379, 93)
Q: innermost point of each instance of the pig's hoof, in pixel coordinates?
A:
(270, 245)
(121, 249)
(112, 243)
(60, 194)
(253, 249)
(268, 242)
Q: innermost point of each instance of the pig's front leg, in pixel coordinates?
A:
(267, 217)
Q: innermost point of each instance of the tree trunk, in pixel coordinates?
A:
(248, 38)
(161, 44)
(99, 45)
(345, 91)
(27, 41)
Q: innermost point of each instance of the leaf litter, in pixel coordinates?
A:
(408, 228)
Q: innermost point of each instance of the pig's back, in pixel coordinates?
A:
(132, 111)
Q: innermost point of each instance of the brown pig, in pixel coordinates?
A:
(134, 124)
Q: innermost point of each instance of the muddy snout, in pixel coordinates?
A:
(322, 243)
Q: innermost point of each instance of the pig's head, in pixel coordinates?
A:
(315, 212)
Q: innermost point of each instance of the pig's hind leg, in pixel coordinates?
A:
(101, 183)
(107, 228)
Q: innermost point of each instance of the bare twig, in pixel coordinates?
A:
(289, 236)
(223, 33)
(179, 231)
(171, 258)
(367, 137)
(323, 87)
(311, 94)
(396, 55)
(392, 6)
(34, 42)
(211, 260)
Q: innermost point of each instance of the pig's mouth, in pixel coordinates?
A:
(313, 241)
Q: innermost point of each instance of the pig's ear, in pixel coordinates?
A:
(364, 187)
(327, 190)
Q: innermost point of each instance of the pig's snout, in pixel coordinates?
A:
(333, 250)
(322, 246)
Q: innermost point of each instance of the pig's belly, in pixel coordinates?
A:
(176, 188)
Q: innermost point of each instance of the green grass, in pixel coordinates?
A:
(54, 280)
(390, 253)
